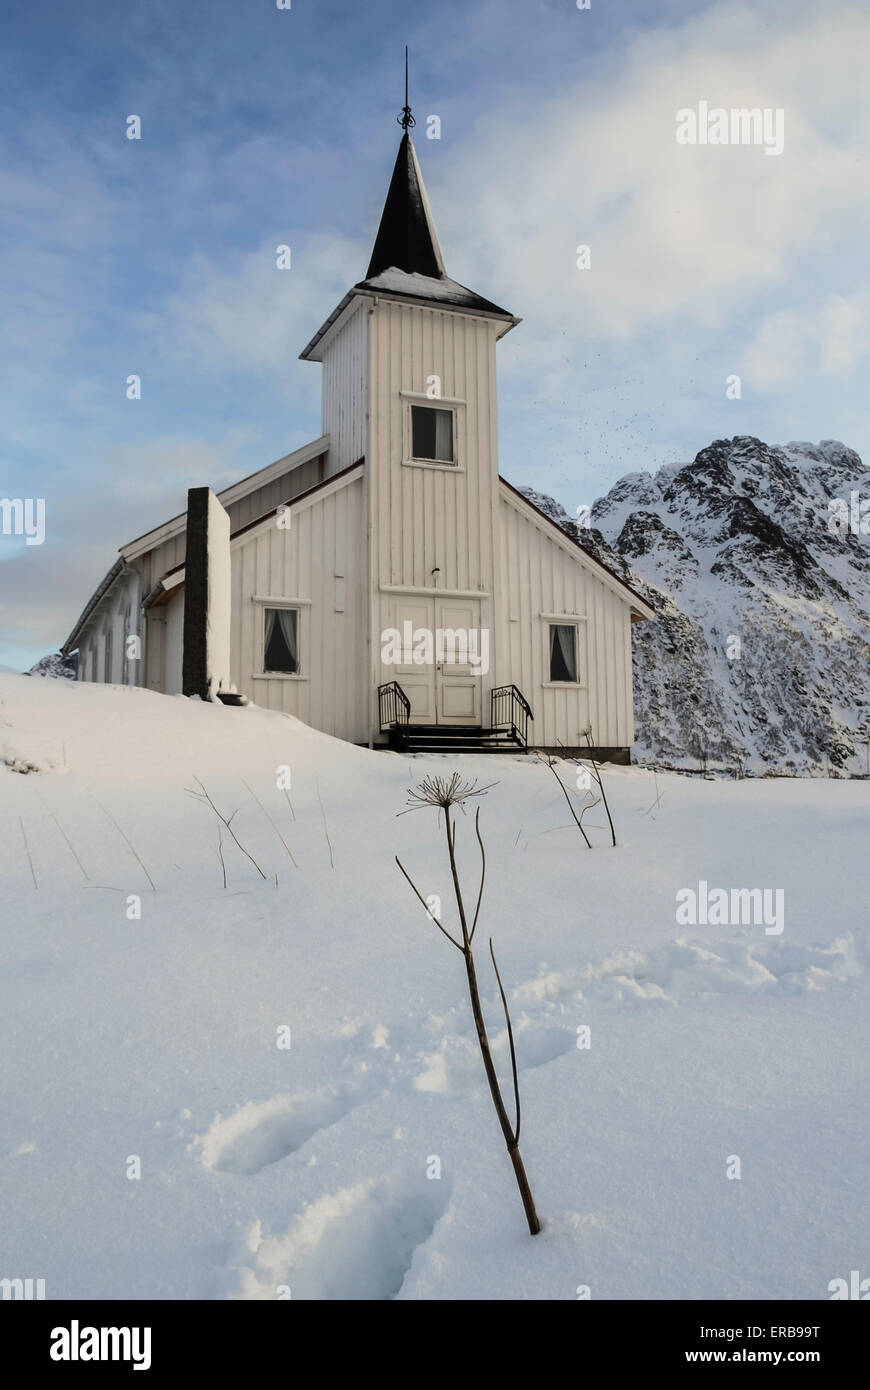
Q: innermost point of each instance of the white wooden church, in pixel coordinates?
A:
(383, 583)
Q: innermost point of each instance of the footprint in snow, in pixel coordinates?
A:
(257, 1135)
(457, 1064)
(357, 1243)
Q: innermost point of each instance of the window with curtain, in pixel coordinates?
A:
(563, 652)
(281, 646)
(107, 674)
(432, 434)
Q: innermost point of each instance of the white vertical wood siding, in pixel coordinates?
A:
(345, 382)
(174, 644)
(264, 499)
(259, 502)
(425, 517)
(110, 617)
(539, 575)
(321, 561)
(162, 559)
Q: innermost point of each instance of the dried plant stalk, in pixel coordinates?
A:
(446, 794)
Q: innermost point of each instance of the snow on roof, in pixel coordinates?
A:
(417, 286)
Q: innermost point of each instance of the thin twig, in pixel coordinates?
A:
(325, 826)
(27, 848)
(659, 794)
(270, 820)
(279, 765)
(550, 763)
(111, 818)
(551, 830)
(482, 872)
(450, 829)
(65, 836)
(510, 1041)
(597, 774)
(203, 795)
(429, 913)
(221, 852)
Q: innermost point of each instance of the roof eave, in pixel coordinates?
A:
(640, 609)
(309, 353)
(312, 352)
(140, 545)
(101, 590)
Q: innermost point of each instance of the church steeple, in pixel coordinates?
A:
(407, 259)
(406, 238)
(406, 262)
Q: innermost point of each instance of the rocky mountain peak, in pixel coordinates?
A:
(760, 653)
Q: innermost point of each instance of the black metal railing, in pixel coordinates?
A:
(511, 710)
(394, 708)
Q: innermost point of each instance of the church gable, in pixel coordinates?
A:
(548, 528)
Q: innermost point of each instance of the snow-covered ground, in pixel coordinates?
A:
(264, 1166)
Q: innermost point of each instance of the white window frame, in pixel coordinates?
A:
(302, 608)
(578, 623)
(411, 400)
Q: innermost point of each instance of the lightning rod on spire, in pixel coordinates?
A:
(406, 119)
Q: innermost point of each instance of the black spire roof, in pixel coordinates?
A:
(406, 237)
(406, 261)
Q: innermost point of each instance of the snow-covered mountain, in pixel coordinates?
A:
(760, 655)
(56, 665)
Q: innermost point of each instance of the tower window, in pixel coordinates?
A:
(432, 434)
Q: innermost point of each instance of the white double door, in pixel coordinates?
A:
(446, 661)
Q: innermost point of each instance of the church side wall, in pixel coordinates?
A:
(101, 654)
(318, 567)
(540, 582)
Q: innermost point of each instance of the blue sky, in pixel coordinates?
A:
(263, 126)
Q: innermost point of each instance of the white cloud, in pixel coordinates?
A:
(826, 338)
(676, 232)
(247, 315)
